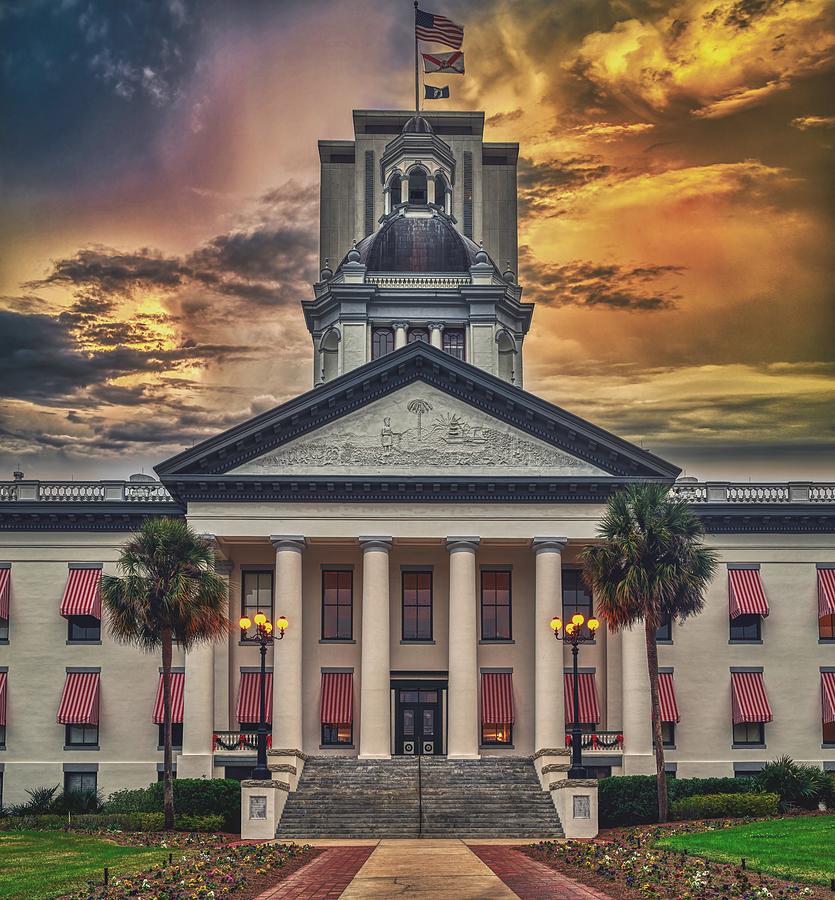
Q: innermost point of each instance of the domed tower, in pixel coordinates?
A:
(418, 274)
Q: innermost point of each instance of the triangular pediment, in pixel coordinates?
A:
(417, 412)
(418, 430)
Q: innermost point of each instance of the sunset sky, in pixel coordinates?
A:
(159, 225)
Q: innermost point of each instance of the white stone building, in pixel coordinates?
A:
(417, 516)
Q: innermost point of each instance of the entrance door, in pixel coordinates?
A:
(418, 724)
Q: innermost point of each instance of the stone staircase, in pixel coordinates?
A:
(404, 797)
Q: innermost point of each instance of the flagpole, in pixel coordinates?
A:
(417, 70)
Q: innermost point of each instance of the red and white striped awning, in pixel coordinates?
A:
(826, 592)
(81, 595)
(827, 697)
(750, 703)
(667, 698)
(497, 698)
(5, 582)
(178, 683)
(249, 697)
(589, 710)
(80, 700)
(337, 698)
(746, 594)
(3, 680)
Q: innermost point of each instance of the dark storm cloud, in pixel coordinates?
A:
(541, 186)
(586, 284)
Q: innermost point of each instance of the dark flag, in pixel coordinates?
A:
(435, 93)
(429, 27)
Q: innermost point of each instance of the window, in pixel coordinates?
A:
(745, 773)
(417, 606)
(334, 735)
(418, 334)
(83, 628)
(826, 628)
(395, 190)
(256, 596)
(2, 737)
(337, 606)
(161, 774)
(749, 733)
(746, 628)
(4, 629)
(252, 727)
(495, 606)
(417, 187)
(829, 733)
(496, 734)
(382, 342)
(665, 629)
(575, 597)
(80, 782)
(82, 735)
(238, 773)
(176, 735)
(668, 734)
(453, 342)
(599, 771)
(440, 190)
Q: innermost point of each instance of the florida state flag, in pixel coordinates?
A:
(450, 63)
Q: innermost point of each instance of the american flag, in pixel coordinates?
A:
(429, 27)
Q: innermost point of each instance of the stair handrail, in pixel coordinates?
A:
(420, 798)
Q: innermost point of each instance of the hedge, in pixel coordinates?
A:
(146, 821)
(725, 806)
(192, 797)
(633, 799)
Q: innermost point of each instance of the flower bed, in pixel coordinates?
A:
(207, 869)
(631, 867)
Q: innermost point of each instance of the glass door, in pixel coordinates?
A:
(417, 727)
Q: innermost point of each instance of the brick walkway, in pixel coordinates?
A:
(327, 876)
(532, 880)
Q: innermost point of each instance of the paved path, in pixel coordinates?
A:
(443, 869)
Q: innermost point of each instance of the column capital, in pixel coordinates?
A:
(287, 542)
(404, 325)
(548, 544)
(436, 326)
(462, 542)
(375, 542)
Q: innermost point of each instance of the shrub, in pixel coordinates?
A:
(633, 799)
(725, 806)
(199, 823)
(88, 821)
(795, 783)
(132, 801)
(192, 797)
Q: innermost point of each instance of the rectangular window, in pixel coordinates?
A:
(4, 629)
(453, 342)
(495, 606)
(176, 735)
(2, 736)
(668, 734)
(749, 733)
(382, 342)
(82, 735)
(80, 782)
(665, 629)
(337, 605)
(746, 628)
(83, 628)
(826, 628)
(496, 734)
(336, 735)
(161, 774)
(575, 596)
(598, 772)
(417, 606)
(828, 733)
(256, 596)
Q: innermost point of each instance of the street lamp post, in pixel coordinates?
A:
(577, 631)
(264, 635)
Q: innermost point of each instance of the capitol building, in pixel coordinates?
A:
(418, 517)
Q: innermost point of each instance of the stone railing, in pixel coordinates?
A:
(418, 281)
(754, 493)
(233, 741)
(84, 492)
(598, 740)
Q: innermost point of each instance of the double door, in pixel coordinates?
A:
(418, 728)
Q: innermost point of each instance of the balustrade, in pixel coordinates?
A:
(233, 741)
(598, 740)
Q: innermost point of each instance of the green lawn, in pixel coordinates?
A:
(799, 849)
(45, 864)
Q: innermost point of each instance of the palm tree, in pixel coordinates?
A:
(420, 407)
(169, 593)
(651, 563)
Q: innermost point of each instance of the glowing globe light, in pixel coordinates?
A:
(282, 624)
(260, 618)
(245, 623)
(593, 624)
(556, 623)
(577, 619)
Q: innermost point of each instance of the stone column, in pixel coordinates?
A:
(638, 757)
(549, 715)
(221, 653)
(400, 331)
(435, 331)
(375, 674)
(287, 653)
(464, 725)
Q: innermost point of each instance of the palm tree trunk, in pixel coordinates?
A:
(167, 784)
(652, 666)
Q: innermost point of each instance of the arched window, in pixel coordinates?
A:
(329, 349)
(382, 342)
(453, 342)
(418, 334)
(440, 190)
(507, 357)
(395, 190)
(417, 186)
